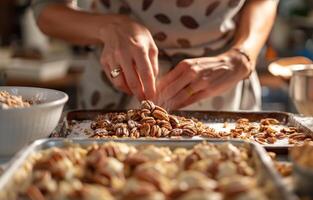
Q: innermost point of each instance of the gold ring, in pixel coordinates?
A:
(189, 90)
(116, 72)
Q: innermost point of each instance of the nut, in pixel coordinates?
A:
(158, 114)
(164, 124)
(145, 113)
(149, 105)
(289, 130)
(144, 130)
(165, 132)
(174, 121)
(148, 120)
(189, 131)
(132, 124)
(122, 131)
(271, 140)
(133, 115)
(101, 131)
(176, 132)
(155, 131)
(269, 121)
(119, 118)
(134, 133)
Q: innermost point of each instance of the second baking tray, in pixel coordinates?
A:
(266, 175)
(214, 119)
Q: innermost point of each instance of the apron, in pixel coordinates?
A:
(181, 29)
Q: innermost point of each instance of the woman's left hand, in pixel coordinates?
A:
(195, 79)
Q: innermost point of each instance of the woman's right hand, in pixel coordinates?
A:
(129, 46)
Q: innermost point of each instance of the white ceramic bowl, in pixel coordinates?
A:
(19, 126)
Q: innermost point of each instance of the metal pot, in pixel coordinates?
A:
(301, 89)
(298, 71)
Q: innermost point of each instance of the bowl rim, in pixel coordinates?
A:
(301, 70)
(57, 102)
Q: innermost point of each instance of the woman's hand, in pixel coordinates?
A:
(129, 48)
(195, 79)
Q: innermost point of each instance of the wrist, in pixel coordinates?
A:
(245, 59)
(109, 25)
(103, 25)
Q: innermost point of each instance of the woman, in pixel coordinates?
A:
(191, 54)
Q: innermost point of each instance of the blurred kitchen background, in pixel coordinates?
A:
(28, 58)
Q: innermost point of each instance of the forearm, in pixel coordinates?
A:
(255, 24)
(79, 27)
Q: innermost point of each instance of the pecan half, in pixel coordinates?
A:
(148, 120)
(147, 105)
(174, 121)
(269, 121)
(176, 132)
(145, 130)
(145, 113)
(134, 133)
(158, 114)
(155, 131)
(164, 124)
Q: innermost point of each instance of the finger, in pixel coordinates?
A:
(201, 67)
(190, 73)
(119, 82)
(217, 86)
(153, 56)
(195, 98)
(144, 69)
(195, 87)
(184, 95)
(171, 76)
(176, 86)
(131, 76)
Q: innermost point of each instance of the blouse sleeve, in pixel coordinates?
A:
(39, 5)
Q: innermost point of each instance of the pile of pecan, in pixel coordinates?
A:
(153, 121)
(148, 121)
(121, 171)
(265, 133)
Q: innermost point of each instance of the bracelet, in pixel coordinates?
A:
(243, 53)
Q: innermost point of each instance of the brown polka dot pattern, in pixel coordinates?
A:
(160, 36)
(218, 102)
(106, 3)
(146, 4)
(163, 18)
(124, 9)
(233, 3)
(95, 98)
(189, 22)
(184, 3)
(210, 9)
(185, 43)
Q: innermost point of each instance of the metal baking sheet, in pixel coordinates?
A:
(266, 174)
(214, 119)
